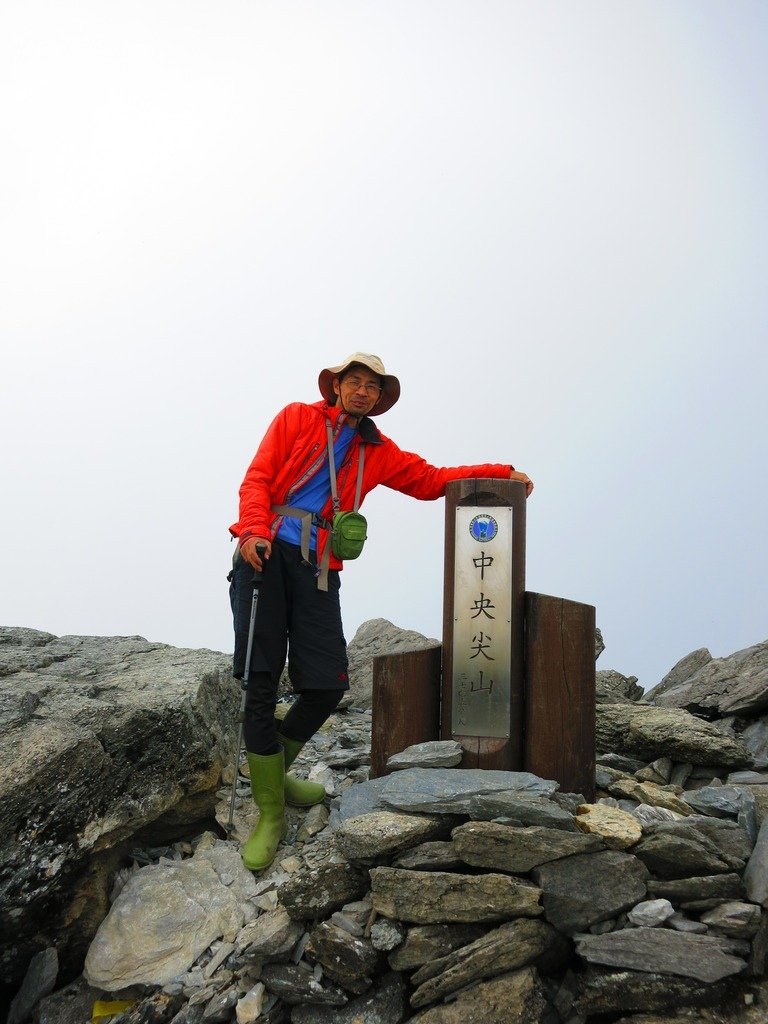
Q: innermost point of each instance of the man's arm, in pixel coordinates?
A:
(413, 475)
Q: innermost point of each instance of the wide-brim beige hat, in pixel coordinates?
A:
(390, 390)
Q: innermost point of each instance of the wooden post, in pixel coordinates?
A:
(406, 703)
(503, 751)
(560, 692)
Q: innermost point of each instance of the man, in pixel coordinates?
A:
(286, 504)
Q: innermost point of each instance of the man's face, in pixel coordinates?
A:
(359, 390)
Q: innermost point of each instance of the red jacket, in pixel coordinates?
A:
(295, 438)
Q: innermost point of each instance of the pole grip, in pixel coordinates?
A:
(261, 550)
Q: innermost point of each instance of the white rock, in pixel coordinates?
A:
(651, 913)
(249, 1007)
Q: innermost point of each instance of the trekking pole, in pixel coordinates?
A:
(261, 550)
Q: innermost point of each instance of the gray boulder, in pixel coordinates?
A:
(577, 892)
(101, 737)
(649, 732)
(611, 687)
(376, 637)
(736, 685)
(680, 673)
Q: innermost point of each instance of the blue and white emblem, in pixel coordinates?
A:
(483, 528)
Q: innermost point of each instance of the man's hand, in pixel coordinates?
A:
(524, 479)
(249, 553)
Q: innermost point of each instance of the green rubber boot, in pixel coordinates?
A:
(267, 775)
(298, 793)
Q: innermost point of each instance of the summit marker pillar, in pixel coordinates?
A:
(483, 622)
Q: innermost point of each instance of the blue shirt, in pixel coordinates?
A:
(314, 495)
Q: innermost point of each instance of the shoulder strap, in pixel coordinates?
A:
(332, 469)
(360, 461)
(332, 466)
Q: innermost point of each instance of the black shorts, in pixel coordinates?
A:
(293, 617)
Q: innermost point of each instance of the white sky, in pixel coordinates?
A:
(548, 218)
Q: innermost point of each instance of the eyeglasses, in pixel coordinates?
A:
(355, 383)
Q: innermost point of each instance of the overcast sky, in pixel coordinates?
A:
(548, 218)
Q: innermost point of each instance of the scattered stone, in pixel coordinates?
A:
(72, 1004)
(698, 893)
(599, 643)
(436, 856)
(434, 897)
(747, 778)
(431, 941)
(219, 1009)
(353, 917)
(619, 762)
(586, 889)
(217, 959)
(347, 960)
(755, 739)
(485, 844)
(681, 923)
(717, 801)
(507, 948)
(450, 790)
(387, 1005)
(436, 754)
(661, 950)
(526, 810)
(617, 829)
(156, 1008)
(648, 815)
(651, 913)
(39, 981)
(680, 774)
(372, 836)
(314, 822)
(513, 998)
(756, 873)
(658, 796)
(249, 1006)
(673, 850)
(294, 984)
(315, 893)
(659, 771)
(612, 687)
(270, 936)
(604, 992)
(740, 920)
(386, 935)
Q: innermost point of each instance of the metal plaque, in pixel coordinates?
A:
(482, 621)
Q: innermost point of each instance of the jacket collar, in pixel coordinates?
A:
(369, 432)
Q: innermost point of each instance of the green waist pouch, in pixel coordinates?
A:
(348, 534)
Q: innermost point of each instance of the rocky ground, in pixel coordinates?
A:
(439, 894)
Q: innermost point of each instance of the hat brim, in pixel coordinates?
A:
(390, 390)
